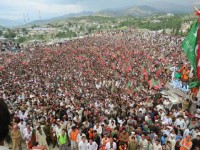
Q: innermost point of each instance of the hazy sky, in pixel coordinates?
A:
(14, 9)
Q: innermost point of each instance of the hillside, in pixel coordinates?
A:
(1, 27)
(61, 18)
(136, 11)
(9, 23)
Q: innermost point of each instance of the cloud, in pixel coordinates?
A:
(14, 9)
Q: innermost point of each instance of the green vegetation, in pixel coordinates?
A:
(157, 23)
(10, 34)
(66, 34)
(21, 40)
(78, 26)
(1, 33)
(24, 30)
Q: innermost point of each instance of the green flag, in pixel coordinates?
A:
(189, 46)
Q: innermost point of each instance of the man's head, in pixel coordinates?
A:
(188, 137)
(157, 141)
(90, 141)
(83, 138)
(132, 138)
(4, 120)
(198, 137)
(95, 132)
(63, 131)
(124, 130)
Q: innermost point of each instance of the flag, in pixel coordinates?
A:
(189, 46)
(198, 53)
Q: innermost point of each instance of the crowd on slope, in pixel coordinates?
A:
(100, 92)
(7, 45)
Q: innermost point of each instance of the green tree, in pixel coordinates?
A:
(1, 33)
(67, 34)
(41, 37)
(24, 30)
(10, 34)
(21, 39)
(177, 30)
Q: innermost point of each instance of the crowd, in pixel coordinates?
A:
(7, 45)
(100, 92)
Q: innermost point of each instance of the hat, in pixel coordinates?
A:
(172, 135)
(132, 132)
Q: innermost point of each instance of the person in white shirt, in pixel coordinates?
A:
(173, 69)
(27, 137)
(172, 141)
(82, 145)
(167, 131)
(176, 113)
(143, 143)
(157, 145)
(195, 132)
(111, 145)
(112, 125)
(92, 145)
(58, 130)
(22, 126)
(179, 121)
(28, 127)
(186, 123)
(186, 132)
(80, 136)
(98, 128)
(167, 120)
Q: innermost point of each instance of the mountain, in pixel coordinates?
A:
(146, 10)
(138, 11)
(80, 14)
(169, 7)
(129, 11)
(9, 23)
(1, 27)
(64, 17)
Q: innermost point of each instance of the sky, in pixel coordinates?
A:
(16, 9)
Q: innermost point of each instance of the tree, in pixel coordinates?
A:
(24, 30)
(1, 33)
(21, 39)
(41, 37)
(10, 34)
(67, 34)
(177, 30)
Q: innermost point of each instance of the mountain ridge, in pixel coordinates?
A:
(137, 11)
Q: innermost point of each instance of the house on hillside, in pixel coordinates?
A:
(42, 30)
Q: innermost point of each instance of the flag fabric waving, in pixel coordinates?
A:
(189, 46)
(198, 53)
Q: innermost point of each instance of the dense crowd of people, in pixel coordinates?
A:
(100, 92)
(8, 45)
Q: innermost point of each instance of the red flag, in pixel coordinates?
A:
(1, 67)
(128, 69)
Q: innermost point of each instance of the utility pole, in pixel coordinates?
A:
(24, 18)
(28, 18)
